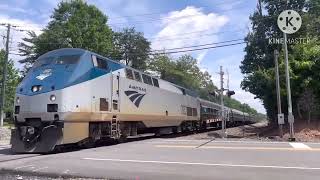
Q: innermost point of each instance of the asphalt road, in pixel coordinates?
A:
(173, 158)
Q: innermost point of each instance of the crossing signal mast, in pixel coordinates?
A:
(229, 94)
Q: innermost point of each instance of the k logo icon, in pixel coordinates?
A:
(289, 21)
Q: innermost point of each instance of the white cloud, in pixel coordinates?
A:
(16, 36)
(201, 56)
(177, 27)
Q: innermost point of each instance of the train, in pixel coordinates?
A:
(75, 96)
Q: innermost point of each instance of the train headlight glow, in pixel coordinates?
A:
(52, 98)
(17, 100)
(36, 88)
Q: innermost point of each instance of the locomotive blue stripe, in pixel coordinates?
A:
(64, 75)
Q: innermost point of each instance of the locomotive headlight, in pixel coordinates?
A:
(52, 98)
(17, 100)
(36, 88)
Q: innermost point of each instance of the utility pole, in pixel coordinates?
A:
(4, 77)
(290, 114)
(223, 128)
(280, 115)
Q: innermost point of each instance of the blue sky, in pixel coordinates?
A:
(166, 23)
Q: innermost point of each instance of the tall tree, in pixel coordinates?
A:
(11, 83)
(185, 72)
(74, 24)
(132, 47)
(258, 63)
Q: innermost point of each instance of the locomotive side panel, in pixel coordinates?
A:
(155, 106)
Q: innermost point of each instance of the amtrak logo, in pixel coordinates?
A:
(135, 97)
(46, 73)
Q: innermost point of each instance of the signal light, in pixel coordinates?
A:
(213, 93)
(230, 93)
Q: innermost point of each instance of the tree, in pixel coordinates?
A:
(74, 24)
(185, 72)
(11, 83)
(258, 63)
(182, 71)
(132, 47)
(306, 102)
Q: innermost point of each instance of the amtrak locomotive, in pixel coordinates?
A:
(74, 96)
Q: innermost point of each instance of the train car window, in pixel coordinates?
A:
(68, 59)
(189, 111)
(155, 82)
(99, 63)
(102, 64)
(194, 112)
(204, 110)
(129, 73)
(147, 79)
(137, 76)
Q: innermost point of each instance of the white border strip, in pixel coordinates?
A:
(204, 164)
(299, 146)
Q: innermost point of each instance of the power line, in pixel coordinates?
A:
(198, 49)
(170, 19)
(201, 35)
(187, 47)
(169, 51)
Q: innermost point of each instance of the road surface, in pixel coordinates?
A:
(172, 158)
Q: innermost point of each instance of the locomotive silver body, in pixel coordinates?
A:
(76, 96)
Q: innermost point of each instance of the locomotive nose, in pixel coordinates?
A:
(43, 80)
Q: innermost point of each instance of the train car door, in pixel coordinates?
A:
(115, 92)
(101, 92)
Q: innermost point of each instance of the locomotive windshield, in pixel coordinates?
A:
(60, 60)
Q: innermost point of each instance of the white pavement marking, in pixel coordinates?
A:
(220, 141)
(299, 146)
(39, 169)
(205, 164)
(23, 166)
(66, 171)
(4, 146)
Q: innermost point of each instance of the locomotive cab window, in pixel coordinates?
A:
(147, 79)
(43, 62)
(129, 73)
(100, 63)
(137, 76)
(68, 59)
(155, 82)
